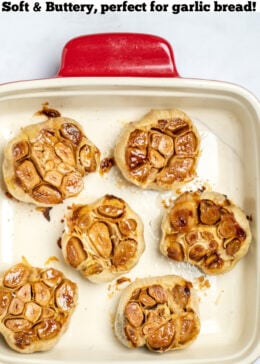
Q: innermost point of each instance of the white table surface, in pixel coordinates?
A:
(210, 46)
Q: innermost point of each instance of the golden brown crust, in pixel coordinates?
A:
(35, 307)
(46, 162)
(160, 313)
(104, 239)
(205, 229)
(160, 151)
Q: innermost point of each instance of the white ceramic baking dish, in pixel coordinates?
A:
(228, 119)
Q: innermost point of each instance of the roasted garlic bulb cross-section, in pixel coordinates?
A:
(102, 240)
(160, 151)
(160, 313)
(35, 307)
(46, 162)
(205, 229)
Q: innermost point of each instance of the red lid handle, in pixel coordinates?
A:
(118, 54)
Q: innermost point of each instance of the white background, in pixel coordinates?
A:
(210, 46)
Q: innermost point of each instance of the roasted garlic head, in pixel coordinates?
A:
(160, 313)
(46, 162)
(205, 229)
(35, 307)
(102, 240)
(160, 151)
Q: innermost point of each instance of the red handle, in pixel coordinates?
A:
(118, 54)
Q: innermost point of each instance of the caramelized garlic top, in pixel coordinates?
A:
(35, 307)
(104, 239)
(207, 230)
(46, 162)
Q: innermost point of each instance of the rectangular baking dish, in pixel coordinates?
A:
(228, 120)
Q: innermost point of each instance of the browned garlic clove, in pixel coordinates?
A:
(48, 329)
(71, 132)
(27, 175)
(32, 311)
(186, 144)
(16, 276)
(75, 252)
(100, 237)
(47, 194)
(20, 150)
(124, 251)
(209, 212)
(134, 314)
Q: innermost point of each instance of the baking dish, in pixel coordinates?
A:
(142, 75)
